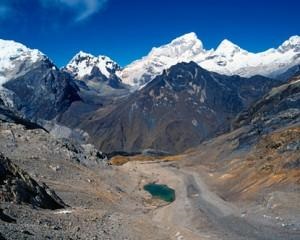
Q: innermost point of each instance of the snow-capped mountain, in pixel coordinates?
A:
(31, 84)
(16, 59)
(95, 75)
(181, 49)
(83, 64)
(230, 59)
(227, 58)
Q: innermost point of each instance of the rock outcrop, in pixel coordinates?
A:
(19, 187)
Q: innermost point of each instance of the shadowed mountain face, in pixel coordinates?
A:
(43, 91)
(96, 79)
(175, 111)
(281, 106)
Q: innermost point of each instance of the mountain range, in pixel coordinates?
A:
(227, 58)
(170, 100)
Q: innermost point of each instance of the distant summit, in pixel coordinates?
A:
(82, 64)
(227, 59)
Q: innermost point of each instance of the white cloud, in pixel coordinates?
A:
(82, 8)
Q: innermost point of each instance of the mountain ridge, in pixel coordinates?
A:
(228, 59)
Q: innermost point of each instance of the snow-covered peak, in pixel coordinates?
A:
(293, 43)
(82, 54)
(13, 55)
(227, 48)
(83, 63)
(189, 38)
(181, 49)
(11, 49)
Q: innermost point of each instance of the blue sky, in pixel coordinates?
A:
(125, 30)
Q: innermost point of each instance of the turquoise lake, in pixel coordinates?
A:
(160, 191)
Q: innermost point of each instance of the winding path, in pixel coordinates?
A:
(199, 213)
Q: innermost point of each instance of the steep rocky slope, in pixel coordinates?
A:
(32, 84)
(19, 187)
(43, 91)
(278, 108)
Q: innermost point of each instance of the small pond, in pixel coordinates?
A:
(160, 191)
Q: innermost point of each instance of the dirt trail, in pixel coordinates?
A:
(199, 213)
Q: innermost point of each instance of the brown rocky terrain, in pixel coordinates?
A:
(223, 191)
(95, 192)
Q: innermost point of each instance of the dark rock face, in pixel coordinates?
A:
(4, 217)
(97, 77)
(280, 107)
(98, 84)
(176, 110)
(1, 237)
(43, 91)
(16, 185)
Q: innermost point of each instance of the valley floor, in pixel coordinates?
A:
(128, 212)
(108, 202)
(199, 213)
